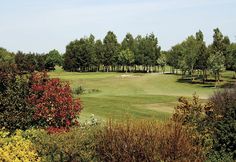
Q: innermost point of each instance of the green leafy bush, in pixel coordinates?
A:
(217, 156)
(15, 112)
(78, 144)
(221, 117)
(79, 90)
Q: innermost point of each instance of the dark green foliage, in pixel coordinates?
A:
(231, 57)
(30, 62)
(128, 42)
(81, 55)
(79, 90)
(219, 157)
(174, 57)
(222, 120)
(25, 62)
(40, 62)
(15, 112)
(86, 54)
(147, 51)
(52, 59)
(111, 50)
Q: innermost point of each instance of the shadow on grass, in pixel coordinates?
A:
(208, 83)
(229, 84)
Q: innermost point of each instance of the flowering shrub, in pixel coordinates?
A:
(53, 103)
(16, 148)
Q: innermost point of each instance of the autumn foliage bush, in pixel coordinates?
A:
(53, 102)
(146, 141)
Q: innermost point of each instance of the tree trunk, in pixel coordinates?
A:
(203, 76)
(215, 79)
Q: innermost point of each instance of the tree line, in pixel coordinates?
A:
(30, 62)
(132, 54)
(192, 57)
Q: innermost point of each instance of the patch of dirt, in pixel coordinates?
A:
(162, 107)
(129, 76)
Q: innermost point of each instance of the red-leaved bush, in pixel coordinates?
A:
(53, 103)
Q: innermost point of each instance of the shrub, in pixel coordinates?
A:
(218, 156)
(213, 123)
(191, 114)
(53, 103)
(146, 141)
(7, 74)
(221, 117)
(79, 90)
(75, 145)
(15, 112)
(16, 148)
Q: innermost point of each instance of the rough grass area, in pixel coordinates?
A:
(133, 95)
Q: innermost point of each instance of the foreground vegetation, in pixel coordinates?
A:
(137, 116)
(44, 113)
(196, 132)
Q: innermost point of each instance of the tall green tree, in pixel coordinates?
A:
(175, 58)
(53, 58)
(70, 56)
(80, 55)
(151, 51)
(126, 58)
(162, 60)
(202, 55)
(139, 51)
(128, 42)
(40, 62)
(99, 54)
(147, 51)
(216, 59)
(190, 54)
(111, 50)
(231, 58)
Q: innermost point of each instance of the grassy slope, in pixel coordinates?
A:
(136, 95)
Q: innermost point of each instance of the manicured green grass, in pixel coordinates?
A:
(129, 95)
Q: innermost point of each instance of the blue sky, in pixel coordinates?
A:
(42, 25)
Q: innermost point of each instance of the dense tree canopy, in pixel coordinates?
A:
(88, 54)
(53, 58)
